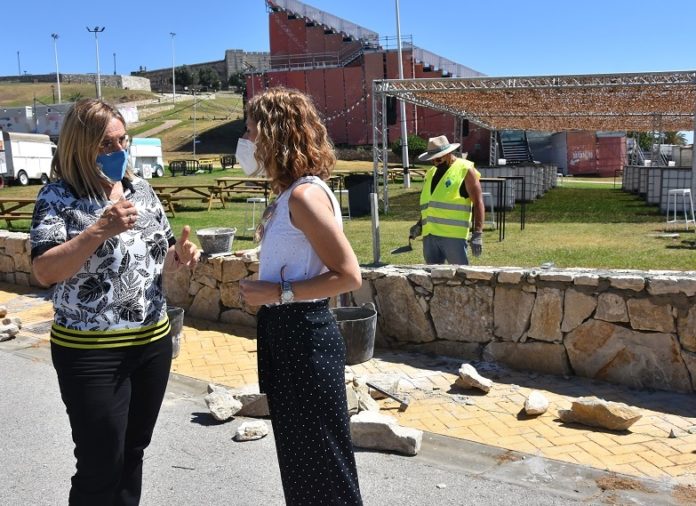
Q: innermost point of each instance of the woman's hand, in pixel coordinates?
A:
(256, 293)
(117, 218)
(185, 252)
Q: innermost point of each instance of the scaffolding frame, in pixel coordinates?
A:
(619, 102)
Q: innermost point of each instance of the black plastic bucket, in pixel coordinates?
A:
(176, 321)
(357, 325)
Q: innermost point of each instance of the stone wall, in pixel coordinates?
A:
(125, 82)
(636, 328)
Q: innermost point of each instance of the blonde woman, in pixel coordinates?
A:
(100, 235)
(304, 259)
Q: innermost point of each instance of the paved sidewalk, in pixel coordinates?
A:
(211, 353)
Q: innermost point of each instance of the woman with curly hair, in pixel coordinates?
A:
(100, 235)
(304, 259)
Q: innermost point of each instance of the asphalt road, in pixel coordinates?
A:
(194, 461)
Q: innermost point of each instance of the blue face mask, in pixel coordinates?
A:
(113, 165)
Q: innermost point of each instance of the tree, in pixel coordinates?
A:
(416, 146)
(208, 76)
(238, 81)
(678, 138)
(647, 139)
(184, 76)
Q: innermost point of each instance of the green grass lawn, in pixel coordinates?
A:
(579, 224)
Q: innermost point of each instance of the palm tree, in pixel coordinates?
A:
(677, 138)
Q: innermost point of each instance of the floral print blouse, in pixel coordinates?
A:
(120, 284)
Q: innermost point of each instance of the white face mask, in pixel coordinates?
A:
(245, 157)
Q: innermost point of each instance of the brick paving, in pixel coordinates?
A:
(219, 353)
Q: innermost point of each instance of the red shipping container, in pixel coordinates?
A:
(611, 155)
(581, 152)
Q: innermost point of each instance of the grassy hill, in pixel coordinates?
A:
(218, 121)
(23, 94)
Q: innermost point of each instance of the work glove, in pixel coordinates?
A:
(415, 230)
(476, 243)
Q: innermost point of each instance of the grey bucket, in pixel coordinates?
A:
(216, 241)
(176, 321)
(358, 326)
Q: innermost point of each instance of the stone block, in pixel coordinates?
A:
(610, 352)
(463, 313)
(512, 310)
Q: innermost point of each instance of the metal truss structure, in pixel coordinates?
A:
(594, 102)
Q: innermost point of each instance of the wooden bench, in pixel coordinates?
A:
(173, 193)
(16, 209)
(230, 185)
(206, 164)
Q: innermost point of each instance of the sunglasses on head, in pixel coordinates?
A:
(261, 227)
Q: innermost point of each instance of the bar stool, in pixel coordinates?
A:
(340, 195)
(490, 211)
(686, 205)
(253, 201)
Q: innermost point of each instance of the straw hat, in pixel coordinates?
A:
(437, 147)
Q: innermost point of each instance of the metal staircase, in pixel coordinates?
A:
(515, 146)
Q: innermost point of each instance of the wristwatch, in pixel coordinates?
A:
(286, 294)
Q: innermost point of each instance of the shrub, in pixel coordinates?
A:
(416, 146)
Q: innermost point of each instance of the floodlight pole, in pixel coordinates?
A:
(194, 121)
(96, 30)
(55, 50)
(404, 132)
(173, 73)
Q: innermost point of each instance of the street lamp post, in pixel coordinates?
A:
(114, 63)
(96, 30)
(55, 50)
(194, 121)
(173, 74)
(19, 66)
(404, 132)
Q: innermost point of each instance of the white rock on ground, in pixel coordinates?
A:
(249, 431)
(254, 403)
(536, 403)
(470, 378)
(597, 412)
(221, 403)
(382, 432)
(8, 331)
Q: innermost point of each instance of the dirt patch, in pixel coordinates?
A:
(508, 456)
(613, 482)
(684, 494)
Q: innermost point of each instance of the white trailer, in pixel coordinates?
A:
(25, 157)
(145, 156)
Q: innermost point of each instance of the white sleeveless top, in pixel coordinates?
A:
(283, 244)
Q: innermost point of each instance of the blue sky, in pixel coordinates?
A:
(503, 38)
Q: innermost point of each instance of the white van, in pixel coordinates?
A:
(25, 157)
(145, 156)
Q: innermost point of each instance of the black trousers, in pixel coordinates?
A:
(112, 397)
(301, 358)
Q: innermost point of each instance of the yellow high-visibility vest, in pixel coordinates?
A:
(445, 213)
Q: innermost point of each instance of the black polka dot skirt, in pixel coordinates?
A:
(301, 359)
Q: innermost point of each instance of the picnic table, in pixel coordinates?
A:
(243, 184)
(171, 193)
(13, 208)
